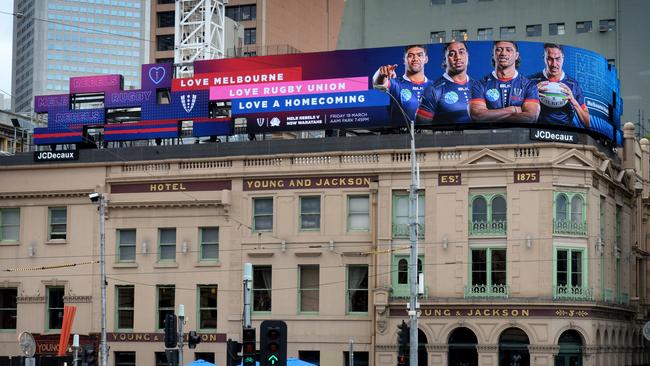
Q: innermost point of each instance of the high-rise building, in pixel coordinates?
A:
(612, 28)
(58, 39)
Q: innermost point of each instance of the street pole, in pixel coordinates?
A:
(75, 349)
(181, 321)
(248, 280)
(413, 265)
(351, 354)
(102, 266)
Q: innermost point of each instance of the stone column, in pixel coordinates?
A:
(590, 355)
(543, 354)
(488, 354)
(437, 354)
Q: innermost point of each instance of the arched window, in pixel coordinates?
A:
(513, 348)
(499, 208)
(403, 272)
(560, 207)
(569, 213)
(576, 209)
(570, 353)
(488, 214)
(462, 347)
(479, 209)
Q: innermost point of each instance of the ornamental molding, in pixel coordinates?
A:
(30, 299)
(77, 299)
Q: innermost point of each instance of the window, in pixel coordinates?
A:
(438, 37)
(400, 275)
(205, 356)
(357, 289)
(401, 215)
(242, 12)
(358, 213)
(310, 213)
(487, 273)
(126, 245)
(164, 60)
(165, 42)
(57, 217)
(458, 1)
(488, 214)
(9, 225)
(583, 27)
(534, 30)
(207, 306)
(8, 308)
(167, 244)
(209, 238)
(250, 35)
(459, 35)
(507, 33)
(166, 19)
(125, 358)
(166, 303)
(166, 1)
(312, 357)
(309, 288)
(262, 285)
(438, 2)
(160, 359)
(55, 307)
(619, 225)
(602, 220)
(556, 29)
(360, 358)
(570, 279)
(484, 34)
(125, 296)
(263, 214)
(570, 214)
(607, 25)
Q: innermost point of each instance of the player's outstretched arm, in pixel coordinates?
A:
(382, 75)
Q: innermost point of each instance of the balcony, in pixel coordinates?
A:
(569, 227)
(488, 228)
(487, 291)
(575, 293)
(402, 231)
(608, 295)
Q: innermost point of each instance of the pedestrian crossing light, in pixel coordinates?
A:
(273, 343)
(403, 339)
(248, 347)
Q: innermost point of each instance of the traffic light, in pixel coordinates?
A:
(273, 343)
(248, 346)
(403, 339)
(89, 355)
(172, 357)
(232, 356)
(171, 333)
(193, 339)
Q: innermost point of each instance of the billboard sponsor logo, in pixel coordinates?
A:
(451, 97)
(188, 102)
(275, 122)
(56, 155)
(596, 105)
(546, 135)
(261, 121)
(406, 95)
(131, 97)
(157, 74)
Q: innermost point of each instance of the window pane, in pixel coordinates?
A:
(358, 288)
(209, 243)
(262, 214)
(166, 303)
(166, 19)
(124, 358)
(262, 284)
(438, 37)
(479, 209)
(165, 43)
(583, 27)
(310, 213)
(498, 208)
(498, 266)
(208, 307)
(9, 224)
(576, 209)
(8, 308)
(125, 307)
(534, 30)
(167, 236)
(562, 267)
(55, 306)
(576, 268)
(309, 288)
(403, 272)
(560, 207)
(359, 213)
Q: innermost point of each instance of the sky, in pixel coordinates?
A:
(6, 37)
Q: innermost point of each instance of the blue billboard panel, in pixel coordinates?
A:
(183, 105)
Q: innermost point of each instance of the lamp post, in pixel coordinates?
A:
(101, 200)
(413, 305)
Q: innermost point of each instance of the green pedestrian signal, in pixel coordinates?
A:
(273, 359)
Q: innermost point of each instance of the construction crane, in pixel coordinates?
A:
(199, 33)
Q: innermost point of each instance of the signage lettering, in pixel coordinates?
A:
(158, 337)
(449, 179)
(527, 176)
(167, 187)
(157, 187)
(44, 156)
(546, 135)
(306, 182)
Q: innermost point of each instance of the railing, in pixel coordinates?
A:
(608, 295)
(488, 227)
(569, 227)
(624, 298)
(487, 291)
(568, 292)
(402, 231)
(402, 292)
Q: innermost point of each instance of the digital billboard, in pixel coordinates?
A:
(461, 85)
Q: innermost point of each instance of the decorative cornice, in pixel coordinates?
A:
(487, 348)
(386, 348)
(30, 299)
(178, 204)
(77, 299)
(543, 349)
(43, 194)
(437, 347)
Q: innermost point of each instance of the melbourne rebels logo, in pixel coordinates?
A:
(188, 102)
(406, 95)
(451, 97)
(492, 95)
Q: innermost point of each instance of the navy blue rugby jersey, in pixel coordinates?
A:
(563, 115)
(445, 101)
(501, 93)
(408, 93)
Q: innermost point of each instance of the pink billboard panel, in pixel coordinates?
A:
(95, 84)
(289, 88)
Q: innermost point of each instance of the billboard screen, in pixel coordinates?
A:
(478, 84)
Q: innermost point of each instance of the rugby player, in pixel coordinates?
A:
(504, 95)
(445, 100)
(575, 112)
(408, 88)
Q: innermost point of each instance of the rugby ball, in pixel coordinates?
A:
(552, 96)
